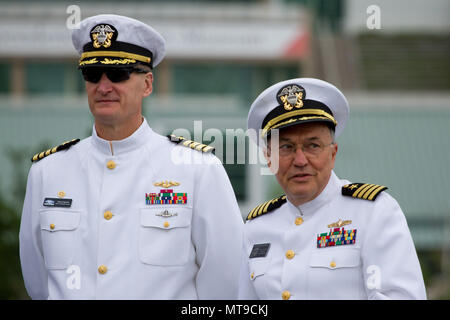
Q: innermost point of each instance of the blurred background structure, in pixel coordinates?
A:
(390, 58)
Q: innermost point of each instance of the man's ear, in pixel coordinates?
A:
(334, 152)
(266, 152)
(148, 85)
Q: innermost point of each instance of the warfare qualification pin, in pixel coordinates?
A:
(339, 223)
(166, 214)
(166, 184)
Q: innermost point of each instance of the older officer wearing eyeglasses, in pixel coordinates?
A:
(127, 213)
(325, 238)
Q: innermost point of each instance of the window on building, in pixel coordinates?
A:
(245, 80)
(52, 78)
(5, 74)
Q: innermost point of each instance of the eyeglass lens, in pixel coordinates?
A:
(114, 74)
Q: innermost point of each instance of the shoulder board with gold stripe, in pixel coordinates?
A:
(364, 191)
(63, 146)
(191, 144)
(266, 207)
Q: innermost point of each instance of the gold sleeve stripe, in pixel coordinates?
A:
(369, 191)
(355, 194)
(258, 211)
(361, 189)
(190, 143)
(250, 215)
(208, 149)
(264, 208)
(378, 190)
(200, 147)
(251, 212)
(50, 151)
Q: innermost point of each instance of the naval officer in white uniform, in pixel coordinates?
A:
(326, 238)
(127, 213)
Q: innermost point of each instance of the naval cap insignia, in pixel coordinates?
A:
(291, 96)
(103, 35)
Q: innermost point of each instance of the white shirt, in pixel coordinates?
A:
(381, 264)
(111, 243)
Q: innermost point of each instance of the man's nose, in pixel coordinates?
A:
(300, 158)
(104, 85)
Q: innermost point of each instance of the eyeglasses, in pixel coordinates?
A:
(311, 149)
(94, 74)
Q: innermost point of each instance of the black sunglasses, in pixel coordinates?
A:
(94, 74)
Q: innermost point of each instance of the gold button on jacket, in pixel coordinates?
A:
(107, 215)
(286, 295)
(290, 254)
(110, 164)
(298, 221)
(102, 269)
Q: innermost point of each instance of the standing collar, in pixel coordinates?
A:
(117, 147)
(331, 190)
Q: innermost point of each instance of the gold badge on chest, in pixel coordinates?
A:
(339, 223)
(337, 236)
(166, 196)
(166, 184)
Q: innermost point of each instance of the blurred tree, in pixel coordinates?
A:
(11, 281)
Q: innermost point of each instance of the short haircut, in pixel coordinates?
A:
(144, 67)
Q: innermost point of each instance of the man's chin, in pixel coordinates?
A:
(105, 116)
(106, 105)
(303, 191)
(105, 109)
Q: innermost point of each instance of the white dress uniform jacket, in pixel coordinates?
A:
(381, 263)
(109, 243)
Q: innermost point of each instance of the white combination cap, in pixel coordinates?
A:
(297, 101)
(113, 40)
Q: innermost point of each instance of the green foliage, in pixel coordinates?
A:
(11, 281)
